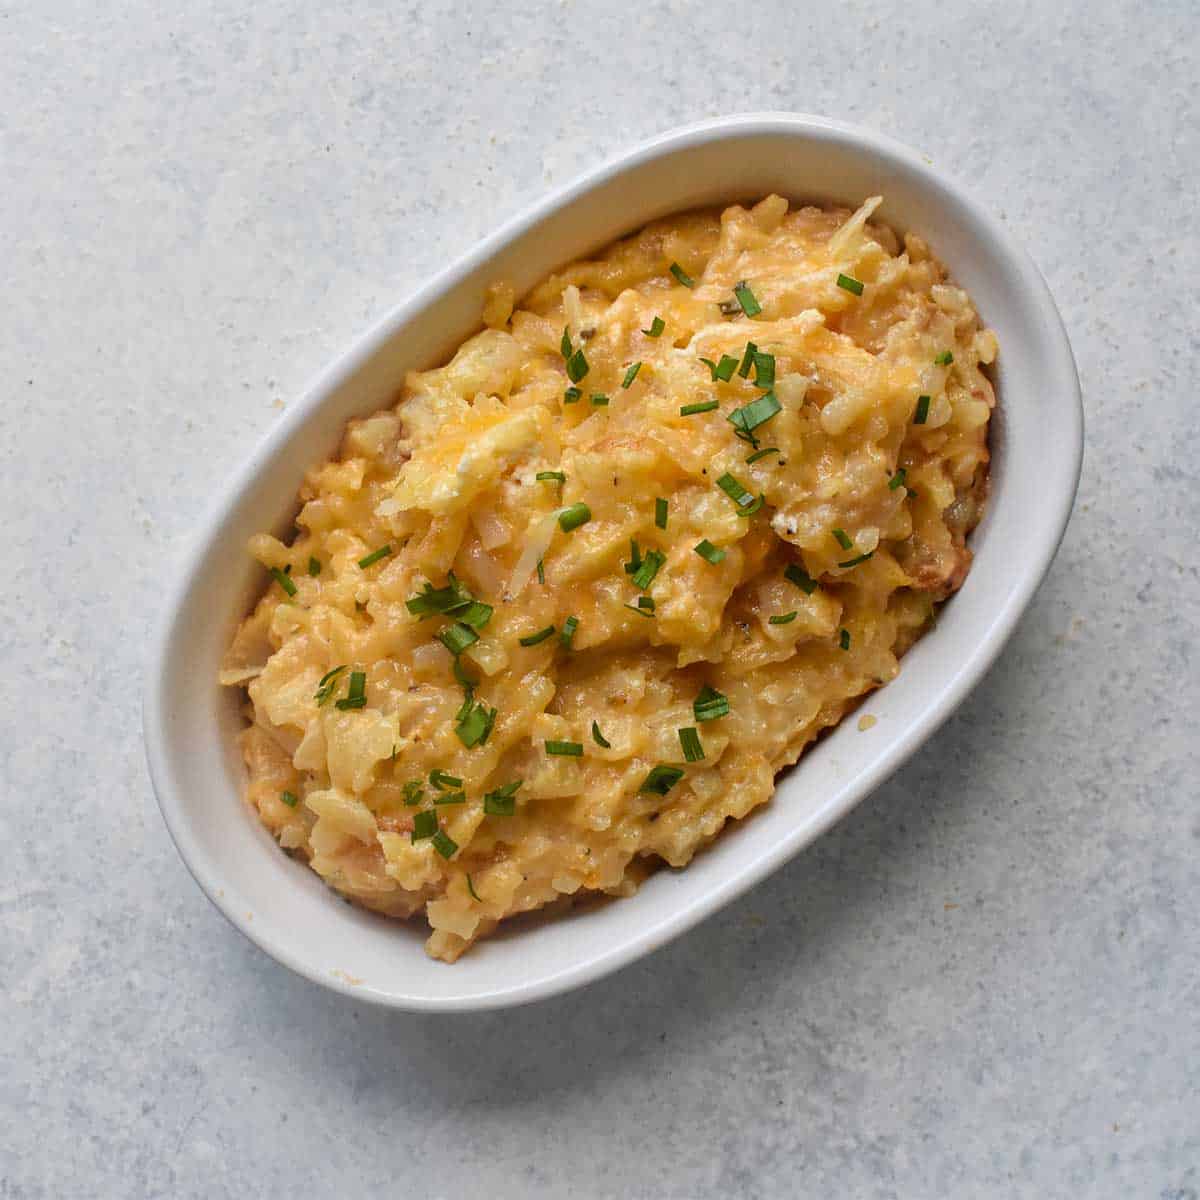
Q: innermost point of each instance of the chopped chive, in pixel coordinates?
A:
(764, 369)
(783, 618)
(577, 366)
(283, 580)
(844, 639)
(450, 798)
(571, 395)
(703, 406)
(709, 705)
(660, 513)
(541, 571)
(568, 632)
(922, 413)
(564, 749)
(289, 798)
(843, 539)
(599, 738)
(644, 575)
(646, 602)
(661, 779)
(476, 614)
(472, 729)
(441, 780)
(734, 490)
(635, 557)
(750, 509)
(413, 791)
(689, 739)
(471, 889)
(750, 416)
(858, 558)
(453, 598)
(571, 518)
(502, 802)
(457, 637)
(709, 552)
(656, 327)
(599, 400)
(314, 566)
(801, 578)
(425, 825)
(488, 726)
(944, 359)
(328, 685)
(753, 458)
(747, 360)
(723, 370)
(897, 480)
(565, 347)
(682, 275)
(444, 844)
(550, 476)
(375, 555)
(631, 374)
(850, 284)
(535, 639)
(746, 298)
(356, 693)
(641, 612)
(464, 709)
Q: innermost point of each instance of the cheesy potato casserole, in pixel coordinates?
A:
(574, 601)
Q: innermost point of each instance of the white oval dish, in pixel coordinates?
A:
(1037, 439)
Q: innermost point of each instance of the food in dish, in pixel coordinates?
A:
(572, 604)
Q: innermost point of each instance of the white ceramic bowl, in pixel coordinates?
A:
(1037, 435)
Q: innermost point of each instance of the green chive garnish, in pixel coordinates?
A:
(444, 844)
(764, 369)
(577, 366)
(327, 685)
(746, 298)
(843, 539)
(922, 413)
(644, 575)
(682, 276)
(502, 802)
(535, 639)
(289, 798)
(859, 558)
(565, 347)
(375, 555)
(441, 780)
(314, 566)
(747, 360)
(450, 798)
(844, 639)
(471, 888)
(571, 518)
(571, 395)
(541, 571)
(783, 618)
(476, 614)
(850, 284)
(631, 374)
(550, 477)
(453, 598)
(944, 359)
(660, 513)
(745, 501)
(599, 400)
(801, 578)
(722, 370)
(897, 480)
(473, 729)
(750, 416)
(709, 705)
(568, 631)
(661, 780)
(457, 637)
(689, 739)
(284, 581)
(646, 602)
(709, 552)
(425, 825)
(413, 791)
(753, 458)
(703, 406)
(641, 610)
(599, 738)
(356, 693)
(656, 327)
(635, 557)
(565, 749)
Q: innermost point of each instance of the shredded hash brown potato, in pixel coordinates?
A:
(848, 532)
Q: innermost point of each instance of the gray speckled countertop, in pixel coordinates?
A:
(983, 983)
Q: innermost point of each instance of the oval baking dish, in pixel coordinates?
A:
(191, 723)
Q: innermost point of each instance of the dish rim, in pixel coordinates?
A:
(953, 688)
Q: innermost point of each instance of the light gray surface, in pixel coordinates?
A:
(983, 983)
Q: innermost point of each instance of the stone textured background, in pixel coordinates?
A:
(983, 983)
